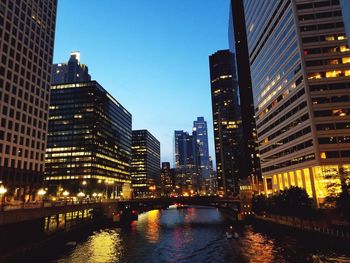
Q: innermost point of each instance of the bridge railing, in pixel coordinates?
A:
(45, 204)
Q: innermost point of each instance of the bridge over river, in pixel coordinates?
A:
(12, 214)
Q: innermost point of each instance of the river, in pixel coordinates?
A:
(194, 235)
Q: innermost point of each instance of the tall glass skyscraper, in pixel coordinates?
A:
(201, 132)
(145, 163)
(227, 121)
(300, 68)
(186, 161)
(27, 32)
(89, 140)
(249, 164)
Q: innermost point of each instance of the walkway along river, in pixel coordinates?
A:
(193, 234)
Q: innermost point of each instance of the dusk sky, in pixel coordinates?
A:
(151, 55)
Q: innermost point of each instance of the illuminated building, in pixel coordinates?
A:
(89, 140)
(226, 117)
(300, 69)
(71, 72)
(345, 8)
(167, 179)
(201, 134)
(27, 31)
(186, 162)
(249, 164)
(145, 163)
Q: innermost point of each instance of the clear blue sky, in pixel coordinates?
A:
(151, 55)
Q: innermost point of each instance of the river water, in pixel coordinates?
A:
(196, 235)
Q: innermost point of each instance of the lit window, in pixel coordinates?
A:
(314, 75)
(346, 60)
(333, 74)
(343, 48)
(342, 37)
(323, 155)
(347, 73)
(338, 112)
(333, 62)
(330, 38)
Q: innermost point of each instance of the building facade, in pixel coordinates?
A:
(186, 162)
(249, 164)
(201, 132)
(167, 179)
(227, 123)
(71, 72)
(89, 141)
(300, 68)
(145, 163)
(27, 31)
(345, 8)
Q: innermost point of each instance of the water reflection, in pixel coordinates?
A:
(196, 235)
(102, 247)
(258, 248)
(149, 224)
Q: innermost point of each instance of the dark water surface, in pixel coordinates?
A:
(196, 235)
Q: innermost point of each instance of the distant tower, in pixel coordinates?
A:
(201, 132)
(226, 116)
(166, 179)
(70, 72)
(145, 163)
(186, 160)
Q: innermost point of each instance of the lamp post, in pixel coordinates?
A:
(41, 194)
(3, 191)
(80, 195)
(152, 188)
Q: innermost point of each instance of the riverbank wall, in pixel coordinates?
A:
(334, 229)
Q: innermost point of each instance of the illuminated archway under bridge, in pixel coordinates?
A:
(129, 209)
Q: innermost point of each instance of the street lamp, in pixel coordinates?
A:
(81, 194)
(41, 192)
(3, 191)
(152, 188)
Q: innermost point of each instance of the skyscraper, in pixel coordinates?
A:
(145, 163)
(167, 179)
(71, 72)
(226, 116)
(300, 68)
(27, 31)
(201, 132)
(249, 164)
(89, 141)
(345, 8)
(186, 161)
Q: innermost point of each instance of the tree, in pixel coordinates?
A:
(259, 204)
(343, 204)
(292, 202)
(343, 201)
(298, 202)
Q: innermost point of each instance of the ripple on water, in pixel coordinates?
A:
(196, 236)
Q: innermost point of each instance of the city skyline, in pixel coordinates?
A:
(115, 55)
(81, 173)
